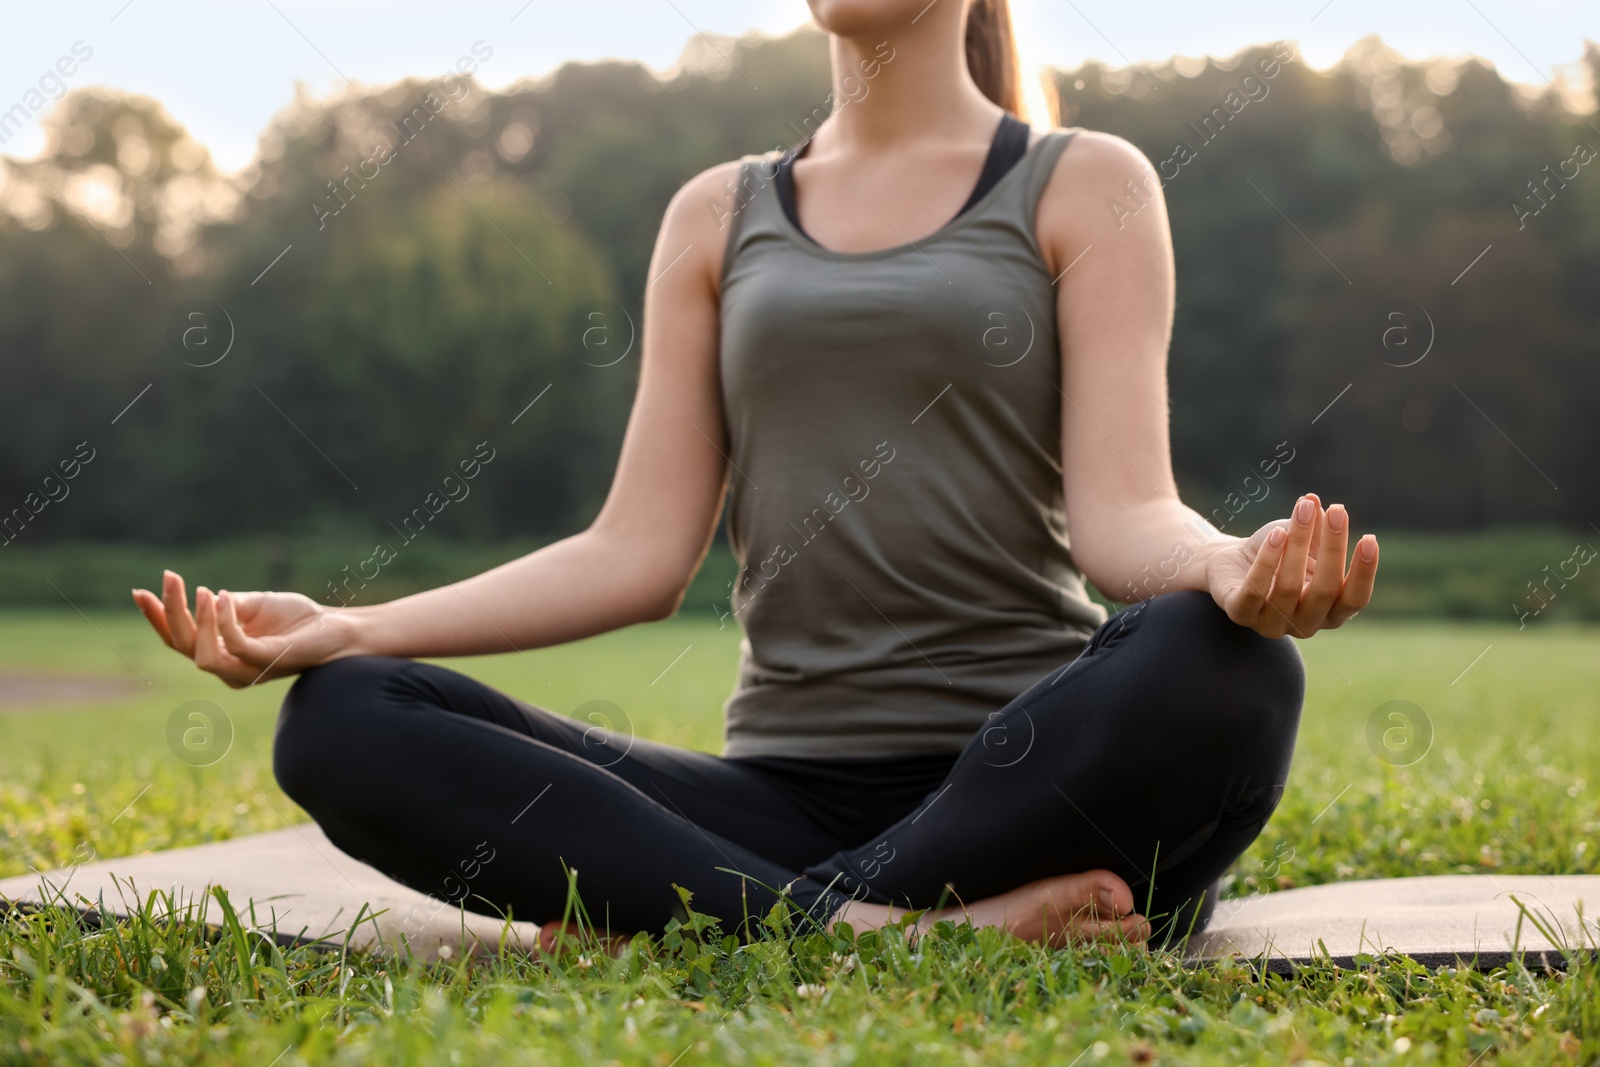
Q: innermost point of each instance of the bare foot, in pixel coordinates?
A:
(555, 936)
(1071, 908)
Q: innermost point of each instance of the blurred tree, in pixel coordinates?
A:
(403, 270)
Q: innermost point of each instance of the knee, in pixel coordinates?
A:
(1238, 681)
(319, 722)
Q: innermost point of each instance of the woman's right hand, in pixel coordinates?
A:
(245, 638)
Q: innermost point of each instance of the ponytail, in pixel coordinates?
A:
(993, 62)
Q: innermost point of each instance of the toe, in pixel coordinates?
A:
(552, 934)
(1128, 930)
(1111, 895)
(1135, 929)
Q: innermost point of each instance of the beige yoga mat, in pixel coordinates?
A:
(1481, 920)
(292, 884)
(295, 885)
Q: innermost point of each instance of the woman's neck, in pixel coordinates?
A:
(919, 88)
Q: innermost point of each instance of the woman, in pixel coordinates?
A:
(912, 354)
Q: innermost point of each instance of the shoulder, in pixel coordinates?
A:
(714, 187)
(1093, 163)
(702, 212)
(1096, 148)
(1098, 182)
(717, 194)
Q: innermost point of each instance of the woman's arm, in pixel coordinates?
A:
(633, 564)
(1131, 534)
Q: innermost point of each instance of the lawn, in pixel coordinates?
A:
(1491, 767)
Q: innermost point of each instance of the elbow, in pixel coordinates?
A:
(667, 594)
(640, 581)
(1120, 589)
(664, 605)
(1095, 569)
(1098, 560)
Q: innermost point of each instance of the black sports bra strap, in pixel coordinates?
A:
(783, 177)
(1010, 144)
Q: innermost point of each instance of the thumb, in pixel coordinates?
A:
(250, 649)
(1259, 538)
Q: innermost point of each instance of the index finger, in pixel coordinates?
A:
(180, 624)
(154, 614)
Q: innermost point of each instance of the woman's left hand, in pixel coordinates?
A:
(1289, 577)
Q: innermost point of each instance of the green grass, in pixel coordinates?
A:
(1507, 785)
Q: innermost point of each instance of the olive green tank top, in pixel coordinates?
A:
(895, 494)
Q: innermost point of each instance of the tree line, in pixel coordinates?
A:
(1387, 270)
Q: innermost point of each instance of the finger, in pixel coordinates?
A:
(179, 622)
(246, 605)
(150, 606)
(1251, 596)
(1357, 592)
(206, 644)
(249, 649)
(1316, 532)
(1328, 578)
(209, 655)
(1290, 582)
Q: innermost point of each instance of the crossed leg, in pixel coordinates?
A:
(1156, 756)
(469, 795)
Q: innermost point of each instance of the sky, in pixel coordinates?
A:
(223, 68)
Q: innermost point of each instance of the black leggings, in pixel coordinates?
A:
(1158, 754)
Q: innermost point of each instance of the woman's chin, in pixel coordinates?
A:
(859, 18)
